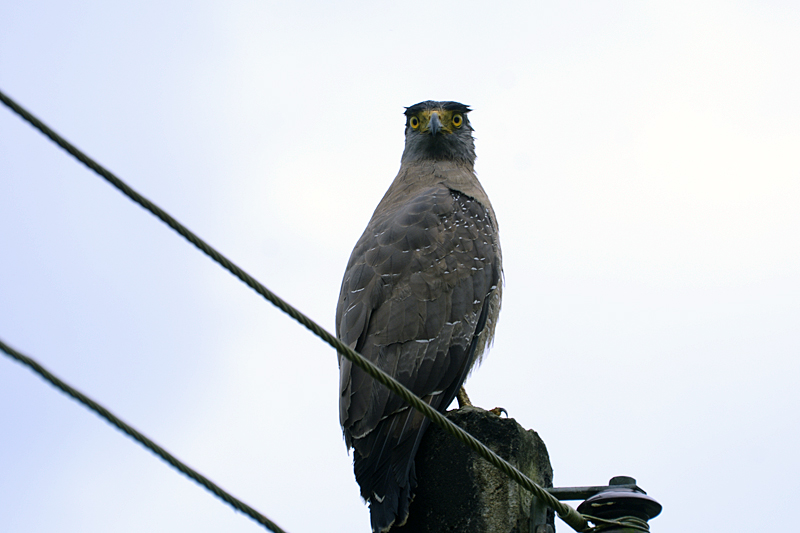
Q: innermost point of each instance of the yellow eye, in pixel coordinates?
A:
(414, 122)
(458, 120)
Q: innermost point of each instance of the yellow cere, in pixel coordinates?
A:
(451, 120)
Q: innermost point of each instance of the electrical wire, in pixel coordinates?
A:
(142, 439)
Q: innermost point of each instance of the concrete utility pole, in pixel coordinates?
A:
(458, 491)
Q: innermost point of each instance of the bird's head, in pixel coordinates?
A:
(438, 131)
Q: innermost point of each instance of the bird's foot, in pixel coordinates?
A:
(463, 399)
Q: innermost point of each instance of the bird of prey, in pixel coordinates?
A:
(420, 299)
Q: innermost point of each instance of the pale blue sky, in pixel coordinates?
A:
(642, 159)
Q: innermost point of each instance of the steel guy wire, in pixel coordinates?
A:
(567, 513)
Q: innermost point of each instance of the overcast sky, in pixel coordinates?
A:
(643, 160)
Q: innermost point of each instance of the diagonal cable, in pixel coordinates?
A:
(139, 437)
(567, 513)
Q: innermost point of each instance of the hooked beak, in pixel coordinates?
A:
(435, 124)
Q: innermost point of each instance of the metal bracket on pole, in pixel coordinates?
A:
(621, 497)
(541, 517)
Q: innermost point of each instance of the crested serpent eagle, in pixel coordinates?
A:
(420, 299)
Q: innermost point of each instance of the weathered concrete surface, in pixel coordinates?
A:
(459, 491)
